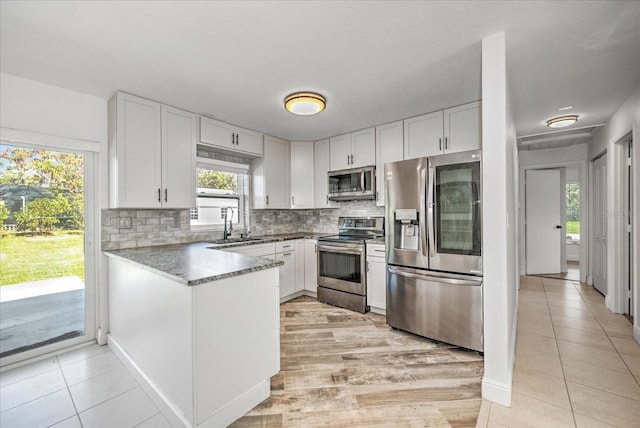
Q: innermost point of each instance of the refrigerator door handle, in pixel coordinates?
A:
(423, 277)
(430, 206)
(423, 227)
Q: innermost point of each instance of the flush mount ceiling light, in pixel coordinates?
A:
(305, 103)
(562, 121)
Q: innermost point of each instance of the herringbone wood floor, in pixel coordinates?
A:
(344, 369)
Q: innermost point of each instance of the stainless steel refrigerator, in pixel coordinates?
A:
(434, 247)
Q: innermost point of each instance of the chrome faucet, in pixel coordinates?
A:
(226, 232)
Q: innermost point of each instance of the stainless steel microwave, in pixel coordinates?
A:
(351, 184)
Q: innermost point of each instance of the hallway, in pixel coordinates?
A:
(577, 364)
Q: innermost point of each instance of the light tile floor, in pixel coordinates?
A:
(577, 364)
(87, 387)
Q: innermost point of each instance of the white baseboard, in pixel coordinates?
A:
(377, 310)
(498, 392)
(166, 406)
(636, 333)
(241, 405)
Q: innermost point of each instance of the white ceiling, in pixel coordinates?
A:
(376, 62)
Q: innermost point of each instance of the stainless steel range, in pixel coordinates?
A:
(342, 262)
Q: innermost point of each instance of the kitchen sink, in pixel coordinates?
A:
(235, 240)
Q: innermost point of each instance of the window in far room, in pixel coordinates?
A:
(572, 191)
(221, 189)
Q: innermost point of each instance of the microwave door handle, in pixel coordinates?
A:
(362, 182)
(430, 206)
(423, 227)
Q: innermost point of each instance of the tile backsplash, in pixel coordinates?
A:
(130, 228)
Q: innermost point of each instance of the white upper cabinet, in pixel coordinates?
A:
(353, 150)
(423, 135)
(363, 148)
(322, 162)
(151, 154)
(389, 139)
(230, 138)
(270, 175)
(302, 166)
(456, 129)
(463, 128)
(179, 136)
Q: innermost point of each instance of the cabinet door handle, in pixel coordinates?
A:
(348, 160)
(158, 195)
(267, 199)
(233, 135)
(327, 199)
(237, 139)
(446, 143)
(439, 143)
(367, 266)
(286, 254)
(351, 159)
(166, 195)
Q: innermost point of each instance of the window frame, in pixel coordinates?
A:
(242, 196)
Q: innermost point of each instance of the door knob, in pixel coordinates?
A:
(558, 227)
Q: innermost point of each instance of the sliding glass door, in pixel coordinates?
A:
(43, 259)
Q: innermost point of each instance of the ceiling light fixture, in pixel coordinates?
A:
(562, 121)
(304, 103)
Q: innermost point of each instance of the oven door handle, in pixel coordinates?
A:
(339, 249)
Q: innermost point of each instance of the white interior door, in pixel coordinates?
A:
(600, 224)
(544, 229)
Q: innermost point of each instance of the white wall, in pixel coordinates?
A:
(626, 119)
(560, 155)
(500, 241)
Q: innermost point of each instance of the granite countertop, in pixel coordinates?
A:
(193, 263)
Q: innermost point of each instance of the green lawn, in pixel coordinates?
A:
(26, 258)
(573, 227)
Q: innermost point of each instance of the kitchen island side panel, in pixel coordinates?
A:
(237, 344)
(151, 319)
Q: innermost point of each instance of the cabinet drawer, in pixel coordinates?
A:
(284, 246)
(375, 250)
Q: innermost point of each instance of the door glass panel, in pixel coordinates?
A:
(341, 266)
(42, 260)
(457, 209)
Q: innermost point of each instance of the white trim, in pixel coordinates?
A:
(498, 392)
(585, 213)
(220, 165)
(28, 138)
(43, 352)
(636, 333)
(241, 405)
(166, 406)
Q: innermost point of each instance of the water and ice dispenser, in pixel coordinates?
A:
(406, 230)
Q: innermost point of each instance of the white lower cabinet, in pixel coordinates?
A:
(311, 265)
(286, 251)
(376, 278)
